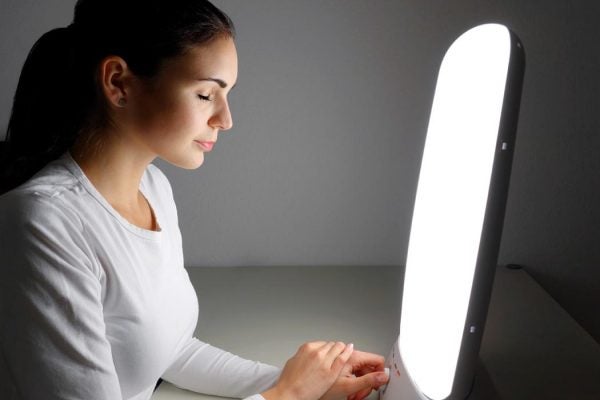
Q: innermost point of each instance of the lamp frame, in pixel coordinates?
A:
(489, 247)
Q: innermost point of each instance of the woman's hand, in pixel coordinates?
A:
(311, 371)
(363, 373)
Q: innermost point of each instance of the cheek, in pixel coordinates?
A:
(190, 116)
(166, 120)
(186, 123)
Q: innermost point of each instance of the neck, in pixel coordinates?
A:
(115, 167)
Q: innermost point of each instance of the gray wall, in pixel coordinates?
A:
(330, 115)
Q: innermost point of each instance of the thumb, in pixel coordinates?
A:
(362, 385)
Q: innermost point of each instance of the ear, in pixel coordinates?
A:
(115, 80)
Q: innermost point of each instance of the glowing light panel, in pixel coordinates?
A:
(450, 205)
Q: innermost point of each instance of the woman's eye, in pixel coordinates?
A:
(205, 98)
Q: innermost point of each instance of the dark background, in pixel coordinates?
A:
(330, 115)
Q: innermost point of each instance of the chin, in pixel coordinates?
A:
(187, 162)
(193, 165)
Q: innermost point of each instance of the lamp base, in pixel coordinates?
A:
(400, 386)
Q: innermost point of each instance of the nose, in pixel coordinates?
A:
(222, 117)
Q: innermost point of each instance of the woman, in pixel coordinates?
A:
(94, 301)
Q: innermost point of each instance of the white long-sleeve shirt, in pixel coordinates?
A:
(93, 307)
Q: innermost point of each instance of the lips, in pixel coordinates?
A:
(206, 146)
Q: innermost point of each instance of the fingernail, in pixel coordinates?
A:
(382, 378)
(351, 346)
(387, 371)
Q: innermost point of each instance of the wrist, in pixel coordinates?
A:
(276, 393)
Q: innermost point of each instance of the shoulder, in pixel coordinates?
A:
(47, 198)
(55, 179)
(52, 186)
(41, 234)
(29, 213)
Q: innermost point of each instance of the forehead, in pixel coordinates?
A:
(216, 59)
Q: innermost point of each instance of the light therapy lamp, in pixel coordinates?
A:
(458, 216)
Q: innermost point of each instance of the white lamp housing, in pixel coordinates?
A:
(458, 216)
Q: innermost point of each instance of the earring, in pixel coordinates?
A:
(121, 102)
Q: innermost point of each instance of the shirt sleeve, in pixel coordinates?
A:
(52, 333)
(203, 368)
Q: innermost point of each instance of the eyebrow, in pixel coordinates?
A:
(220, 82)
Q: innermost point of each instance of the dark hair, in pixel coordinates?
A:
(58, 99)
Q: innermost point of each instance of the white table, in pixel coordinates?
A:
(531, 348)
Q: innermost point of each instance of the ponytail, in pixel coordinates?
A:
(48, 108)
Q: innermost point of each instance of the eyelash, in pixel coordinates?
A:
(205, 98)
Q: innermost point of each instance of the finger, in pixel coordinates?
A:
(377, 362)
(342, 358)
(366, 370)
(325, 348)
(362, 394)
(334, 352)
(370, 358)
(364, 363)
(326, 354)
(310, 346)
(374, 361)
(365, 383)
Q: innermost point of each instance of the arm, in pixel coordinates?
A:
(203, 368)
(52, 333)
(306, 376)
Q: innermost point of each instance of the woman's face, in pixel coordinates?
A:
(179, 113)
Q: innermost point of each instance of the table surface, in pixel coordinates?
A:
(531, 349)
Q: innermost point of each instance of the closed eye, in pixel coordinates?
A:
(205, 98)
